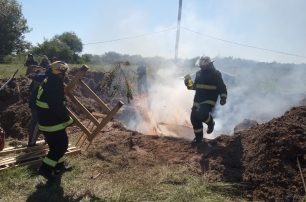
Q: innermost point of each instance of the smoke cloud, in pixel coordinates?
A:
(256, 91)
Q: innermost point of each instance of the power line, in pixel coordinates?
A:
(244, 45)
(131, 37)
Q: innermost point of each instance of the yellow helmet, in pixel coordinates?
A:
(59, 67)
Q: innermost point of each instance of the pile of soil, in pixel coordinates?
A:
(245, 124)
(264, 157)
(270, 153)
(15, 114)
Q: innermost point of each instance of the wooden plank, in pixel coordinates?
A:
(81, 136)
(105, 120)
(98, 115)
(79, 75)
(21, 149)
(95, 97)
(78, 122)
(39, 142)
(25, 157)
(84, 139)
(89, 115)
(36, 159)
(22, 158)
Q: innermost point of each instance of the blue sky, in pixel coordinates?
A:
(271, 24)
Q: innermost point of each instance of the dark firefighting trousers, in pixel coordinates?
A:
(200, 115)
(58, 145)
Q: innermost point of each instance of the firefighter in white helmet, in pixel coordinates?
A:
(53, 119)
(208, 85)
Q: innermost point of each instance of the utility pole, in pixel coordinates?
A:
(178, 30)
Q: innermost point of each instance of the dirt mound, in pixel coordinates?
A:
(270, 156)
(15, 113)
(245, 124)
(263, 157)
(119, 145)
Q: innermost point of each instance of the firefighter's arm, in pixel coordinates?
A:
(221, 89)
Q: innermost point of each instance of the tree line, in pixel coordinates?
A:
(13, 27)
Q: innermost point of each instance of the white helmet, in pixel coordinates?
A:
(203, 61)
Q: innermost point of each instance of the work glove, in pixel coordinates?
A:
(188, 81)
(223, 101)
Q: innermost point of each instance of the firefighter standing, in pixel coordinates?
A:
(208, 85)
(45, 62)
(30, 62)
(53, 119)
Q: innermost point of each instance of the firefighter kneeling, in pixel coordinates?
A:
(208, 85)
(53, 119)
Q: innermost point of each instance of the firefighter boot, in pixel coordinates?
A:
(46, 171)
(210, 126)
(198, 139)
(61, 168)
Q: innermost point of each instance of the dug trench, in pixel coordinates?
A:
(263, 158)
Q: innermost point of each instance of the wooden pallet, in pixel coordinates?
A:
(95, 125)
(16, 156)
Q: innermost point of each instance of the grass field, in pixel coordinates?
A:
(115, 182)
(7, 70)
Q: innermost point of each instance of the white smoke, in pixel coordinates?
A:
(260, 94)
(256, 93)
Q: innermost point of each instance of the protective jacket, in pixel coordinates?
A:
(36, 82)
(208, 85)
(52, 114)
(30, 62)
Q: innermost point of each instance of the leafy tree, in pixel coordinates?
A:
(13, 26)
(85, 58)
(55, 48)
(64, 47)
(71, 40)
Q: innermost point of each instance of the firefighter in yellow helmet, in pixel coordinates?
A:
(208, 86)
(53, 119)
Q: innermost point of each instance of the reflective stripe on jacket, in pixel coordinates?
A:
(57, 127)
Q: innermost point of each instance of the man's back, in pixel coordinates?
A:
(208, 85)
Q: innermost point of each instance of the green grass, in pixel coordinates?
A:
(117, 181)
(7, 70)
